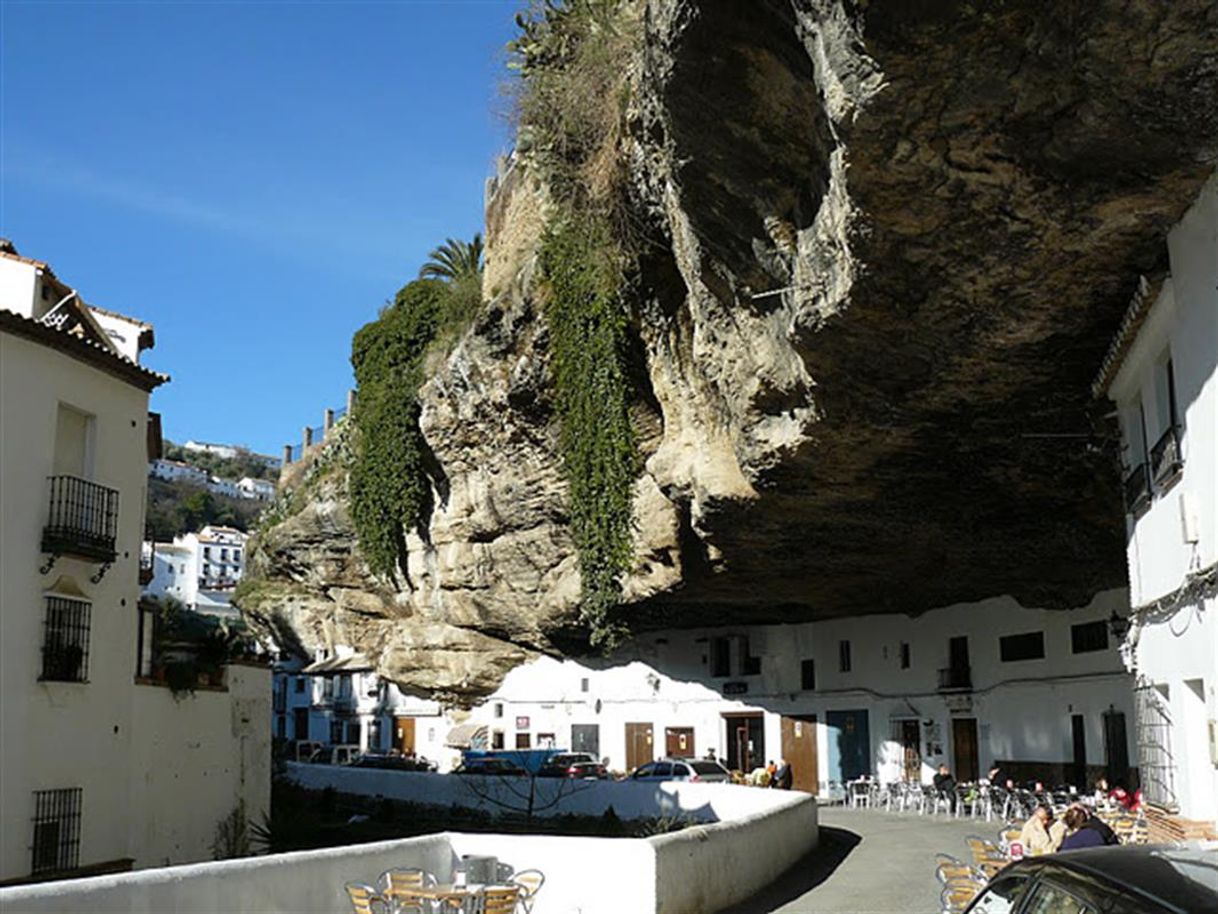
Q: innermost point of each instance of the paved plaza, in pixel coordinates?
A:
(869, 862)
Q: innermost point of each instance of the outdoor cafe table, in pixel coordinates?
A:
(450, 895)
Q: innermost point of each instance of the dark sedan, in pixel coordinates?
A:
(573, 765)
(1106, 880)
(490, 766)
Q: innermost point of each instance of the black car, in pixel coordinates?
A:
(490, 766)
(1106, 880)
(579, 765)
(394, 763)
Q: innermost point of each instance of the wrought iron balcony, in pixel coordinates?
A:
(955, 679)
(83, 520)
(1165, 460)
(1137, 488)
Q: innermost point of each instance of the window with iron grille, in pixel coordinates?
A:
(65, 644)
(56, 830)
(1089, 636)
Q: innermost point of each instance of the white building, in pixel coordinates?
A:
(1042, 693)
(338, 699)
(200, 569)
(1160, 372)
(257, 489)
(176, 471)
(232, 451)
(227, 487)
(99, 770)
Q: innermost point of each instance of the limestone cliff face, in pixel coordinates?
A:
(890, 243)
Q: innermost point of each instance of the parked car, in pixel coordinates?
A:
(305, 749)
(1122, 880)
(335, 755)
(495, 766)
(682, 769)
(394, 762)
(572, 765)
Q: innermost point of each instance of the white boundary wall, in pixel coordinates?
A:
(696, 871)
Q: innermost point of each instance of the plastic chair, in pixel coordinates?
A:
(366, 900)
(529, 882)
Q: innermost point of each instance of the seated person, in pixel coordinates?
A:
(945, 786)
(1040, 834)
(1085, 830)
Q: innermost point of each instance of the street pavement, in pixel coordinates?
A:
(869, 862)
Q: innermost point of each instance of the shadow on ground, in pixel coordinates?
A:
(810, 871)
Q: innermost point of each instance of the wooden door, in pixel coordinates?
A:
(911, 751)
(964, 738)
(403, 735)
(679, 742)
(799, 750)
(639, 745)
(300, 723)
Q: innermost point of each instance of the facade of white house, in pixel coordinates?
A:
(1041, 693)
(256, 489)
(199, 569)
(98, 771)
(176, 471)
(338, 699)
(1161, 373)
(232, 451)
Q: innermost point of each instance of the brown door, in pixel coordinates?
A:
(300, 727)
(679, 742)
(799, 750)
(639, 748)
(964, 738)
(403, 734)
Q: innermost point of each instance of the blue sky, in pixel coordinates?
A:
(254, 179)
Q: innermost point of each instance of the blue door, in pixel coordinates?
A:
(849, 745)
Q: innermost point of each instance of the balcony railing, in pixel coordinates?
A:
(953, 678)
(83, 519)
(1137, 488)
(1165, 460)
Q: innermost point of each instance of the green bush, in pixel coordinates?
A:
(588, 327)
(389, 489)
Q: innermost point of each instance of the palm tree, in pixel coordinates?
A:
(454, 260)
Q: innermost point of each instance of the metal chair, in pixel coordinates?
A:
(498, 900)
(397, 887)
(529, 882)
(366, 900)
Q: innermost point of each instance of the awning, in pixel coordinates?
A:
(467, 736)
(331, 666)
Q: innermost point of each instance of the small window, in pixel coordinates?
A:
(904, 655)
(498, 709)
(496, 739)
(1028, 646)
(1089, 636)
(721, 657)
(281, 727)
(300, 684)
(843, 656)
(749, 665)
(522, 741)
(56, 830)
(207, 552)
(583, 685)
(336, 732)
(807, 675)
(65, 644)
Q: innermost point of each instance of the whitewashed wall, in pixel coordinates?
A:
(1178, 655)
(695, 871)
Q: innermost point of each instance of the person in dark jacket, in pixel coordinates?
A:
(1085, 830)
(945, 786)
(783, 776)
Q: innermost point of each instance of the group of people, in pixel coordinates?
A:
(1077, 828)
